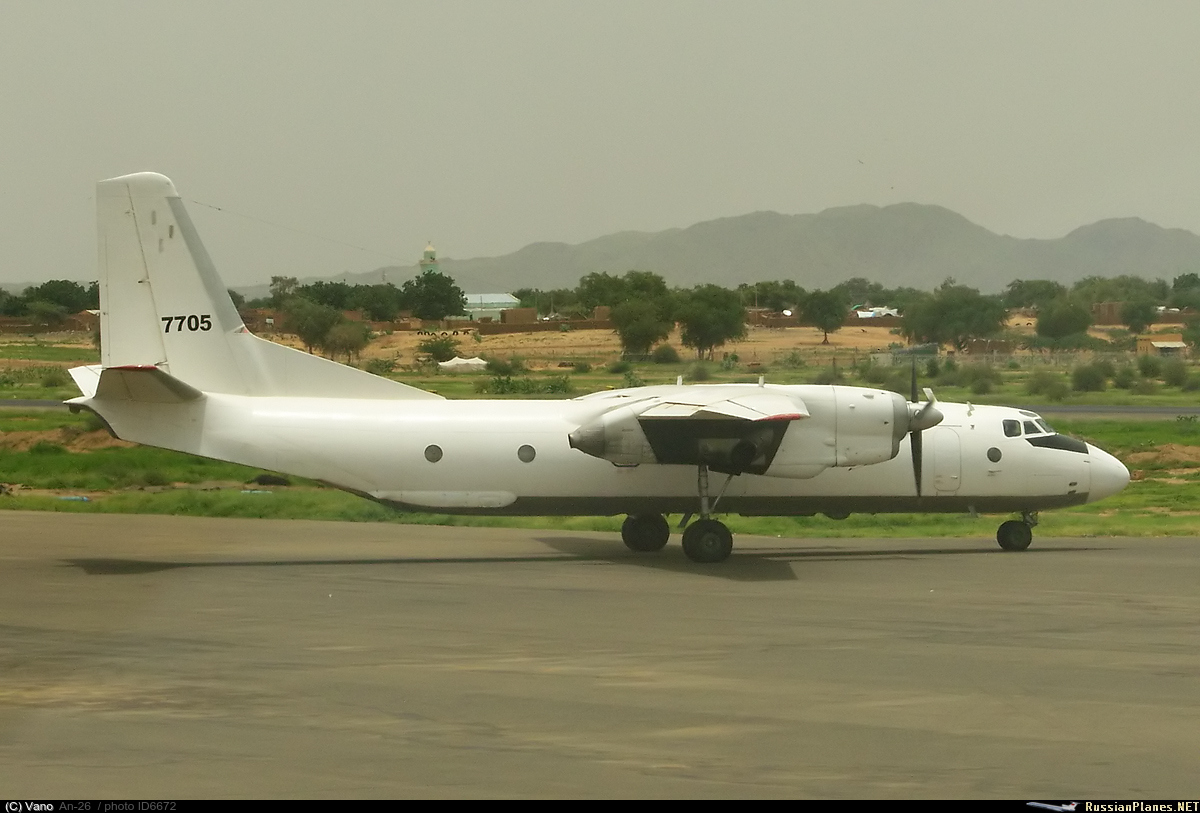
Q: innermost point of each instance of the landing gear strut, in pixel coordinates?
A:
(707, 540)
(1016, 534)
(645, 533)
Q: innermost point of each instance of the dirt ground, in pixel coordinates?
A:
(763, 345)
(73, 440)
(546, 349)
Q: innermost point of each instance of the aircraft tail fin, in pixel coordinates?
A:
(163, 306)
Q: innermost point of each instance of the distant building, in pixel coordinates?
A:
(1162, 344)
(519, 316)
(490, 305)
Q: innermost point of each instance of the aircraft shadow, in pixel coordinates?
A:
(746, 563)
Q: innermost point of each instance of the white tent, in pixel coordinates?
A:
(462, 365)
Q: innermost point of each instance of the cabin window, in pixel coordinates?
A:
(526, 453)
(1031, 428)
(994, 455)
(433, 453)
(1012, 429)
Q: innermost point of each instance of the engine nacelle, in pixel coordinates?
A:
(845, 426)
(615, 436)
(848, 426)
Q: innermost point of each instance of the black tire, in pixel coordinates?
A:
(1014, 535)
(707, 541)
(645, 533)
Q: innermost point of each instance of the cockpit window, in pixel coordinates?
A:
(1012, 429)
(1045, 426)
(1031, 428)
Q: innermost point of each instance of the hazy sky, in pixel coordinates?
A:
(485, 126)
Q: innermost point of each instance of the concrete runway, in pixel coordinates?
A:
(158, 657)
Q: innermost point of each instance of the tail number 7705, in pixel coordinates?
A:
(192, 322)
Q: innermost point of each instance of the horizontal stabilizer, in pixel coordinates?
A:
(86, 378)
(144, 385)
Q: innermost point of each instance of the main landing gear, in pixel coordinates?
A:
(645, 533)
(1016, 534)
(705, 541)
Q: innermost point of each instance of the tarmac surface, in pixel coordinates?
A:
(168, 657)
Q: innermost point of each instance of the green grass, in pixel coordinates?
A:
(40, 420)
(37, 351)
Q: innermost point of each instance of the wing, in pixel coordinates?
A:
(765, 406)
(729, 429)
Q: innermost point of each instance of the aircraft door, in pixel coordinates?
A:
(947, 459)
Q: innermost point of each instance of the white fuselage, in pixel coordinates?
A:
(513, 457)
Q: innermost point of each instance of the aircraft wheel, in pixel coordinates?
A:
(707, 541)
(645, 533)
(1014, 535)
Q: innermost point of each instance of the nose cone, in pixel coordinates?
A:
(1109, 475)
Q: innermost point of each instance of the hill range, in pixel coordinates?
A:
(906, 244)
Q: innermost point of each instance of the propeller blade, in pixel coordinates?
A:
(914, 438)
(919, 419)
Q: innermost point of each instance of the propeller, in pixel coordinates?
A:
(920, 417)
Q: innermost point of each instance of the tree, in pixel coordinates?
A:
(644, 285)
(709, 316)
(600, 288)
(46, 315)
(433, 295)
(1185, 291)
(334, 294)
(70, 296)
(1032, 293)
(825, 310)
(639, 325)
(1061, 318)
(346, 337)
(1191, 331)
(310, 321)
(1186, 282)
(379, 302)
(861, 291)
(11, 305)
(953, 314)
(1123, 288)
(238, 300)
(1138, 314)
(440, 348)
(281, 289)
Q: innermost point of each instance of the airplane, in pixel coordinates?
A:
(179, 370)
